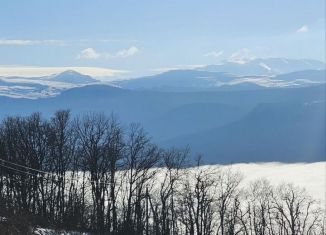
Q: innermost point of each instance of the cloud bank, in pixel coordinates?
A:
(32, 71)
(21, 42)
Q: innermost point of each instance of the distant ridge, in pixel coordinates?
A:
(201, 80)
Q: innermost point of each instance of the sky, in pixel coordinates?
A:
(134, 38)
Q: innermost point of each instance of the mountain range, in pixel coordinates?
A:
(198, 80)
(254, 74)
(223, 115)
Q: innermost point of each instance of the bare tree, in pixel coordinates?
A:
(93, 133)
(256, 213)
(227, 199)
(173, 161)
(197, 201)
(140, 158)
(295, 211)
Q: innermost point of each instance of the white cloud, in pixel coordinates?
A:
(214, 54)
(127, 52)
(88, 53)
(241, 56)
(16, 42)
(303, 29)
(20, 42)
(32, 71)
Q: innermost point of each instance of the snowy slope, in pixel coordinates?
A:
(41, 87)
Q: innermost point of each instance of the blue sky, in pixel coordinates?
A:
(145, 36)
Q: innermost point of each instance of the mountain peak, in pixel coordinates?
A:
(69, 72)
(73, 77)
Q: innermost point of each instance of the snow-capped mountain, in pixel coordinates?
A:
(266, 67)
(199, 80)
(250, 75)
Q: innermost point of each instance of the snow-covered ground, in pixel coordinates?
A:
(44, 231)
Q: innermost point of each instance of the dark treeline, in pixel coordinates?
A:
(91, 174)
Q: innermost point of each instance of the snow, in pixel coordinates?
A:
(34, 88)
(45, 231)
(265, 66)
